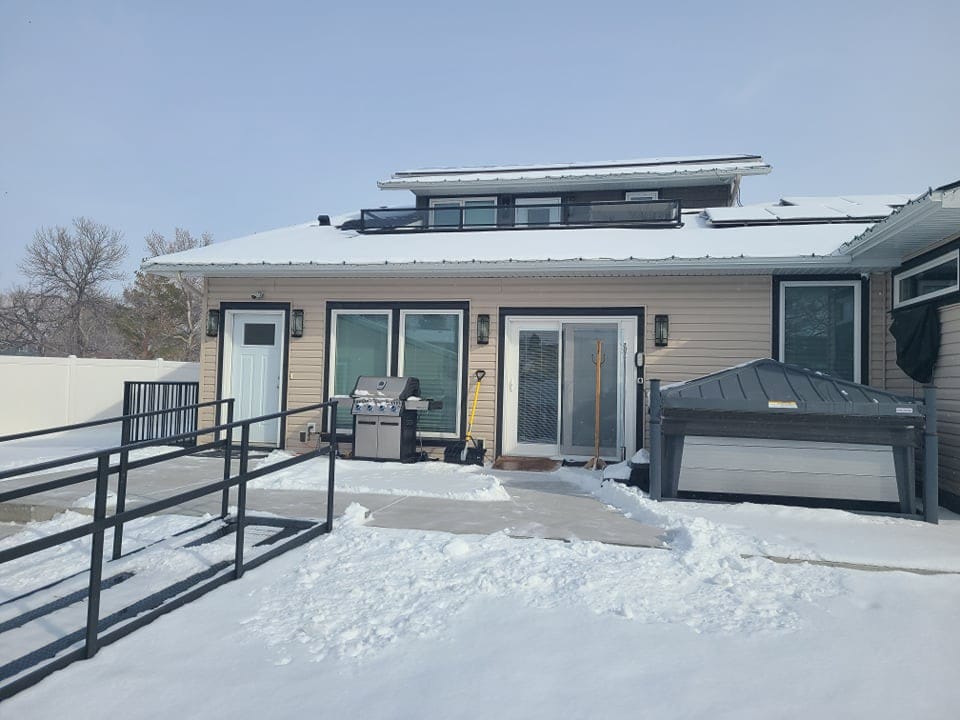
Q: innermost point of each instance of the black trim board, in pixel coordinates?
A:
(253, 306)
(864, 314)
(394, 308)
(579, 311)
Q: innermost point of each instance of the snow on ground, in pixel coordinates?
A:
(792, 532)
(21, 453)
(412, 624)
(382, 623)
(428, 479)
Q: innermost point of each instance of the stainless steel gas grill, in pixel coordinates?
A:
(385, 417)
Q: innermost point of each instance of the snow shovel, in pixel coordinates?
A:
(459, 451)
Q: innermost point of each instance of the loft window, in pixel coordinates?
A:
(477, 212)
(820, 326)
(642, 195)
(531, 212)
(940, 276)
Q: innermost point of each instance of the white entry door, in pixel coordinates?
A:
(552, 391)
(256, 366)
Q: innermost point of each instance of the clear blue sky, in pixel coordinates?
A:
(237, 117)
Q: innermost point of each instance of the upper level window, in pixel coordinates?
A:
(642, 195)
(940, 276)
(537, 211)
(479, 212)
(820, 326)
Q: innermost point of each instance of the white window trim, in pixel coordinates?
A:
(402, 336)
(332, 350)
(642, 195)
(460, 202)
(532, 201)
(857, 317)
(939, 260)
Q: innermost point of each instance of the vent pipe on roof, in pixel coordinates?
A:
(323, 219)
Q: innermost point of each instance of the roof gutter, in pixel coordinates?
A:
(527, 268)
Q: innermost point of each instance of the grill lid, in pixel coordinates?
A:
(395, 388)
(769, 386)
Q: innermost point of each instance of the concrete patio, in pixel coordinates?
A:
(539, 507)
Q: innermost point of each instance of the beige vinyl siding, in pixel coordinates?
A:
(947, 381)
(879, 321)
(895, 380)
(715, 322)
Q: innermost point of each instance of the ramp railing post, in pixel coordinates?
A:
(96, 555)
(121, 486)
(656, 442)
(931, 481)
(331, 471)
(242, 498)
(227, 453)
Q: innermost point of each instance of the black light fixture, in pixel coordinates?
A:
(661, 330)
(213, 322)
(483, 329)
(296, 323)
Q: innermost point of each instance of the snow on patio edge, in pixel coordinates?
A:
(427, 479)
(360, 589)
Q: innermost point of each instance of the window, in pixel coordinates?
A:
(477, 212)
(642, 195)
(429, 346)
(820, 326)
(359, 345)
(430, 343)
(531, 211)
(259, 333)
(940, 276)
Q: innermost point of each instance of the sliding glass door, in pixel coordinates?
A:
(552, 390)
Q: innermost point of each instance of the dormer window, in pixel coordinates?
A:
(468, 211)
(642, 195)
(534, 211)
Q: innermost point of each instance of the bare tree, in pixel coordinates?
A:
(76, 267)
(163, 317)
(30, 322)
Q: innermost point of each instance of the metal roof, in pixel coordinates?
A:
(696, 248)
(638, 174)
(768, 386)
(921, 224)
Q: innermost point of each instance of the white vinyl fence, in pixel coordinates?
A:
(41, 392)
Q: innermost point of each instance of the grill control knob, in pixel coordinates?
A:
(369, 407)
(393, 408)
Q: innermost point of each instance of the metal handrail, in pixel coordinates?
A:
(102, 522)
(106, 421)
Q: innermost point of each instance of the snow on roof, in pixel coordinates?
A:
(716, 167)
(811, 209)
(680, 160)
(312, 249)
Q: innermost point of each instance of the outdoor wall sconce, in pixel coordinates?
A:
(483, 329)
(661, 330)
(213, 323)
(296, 323)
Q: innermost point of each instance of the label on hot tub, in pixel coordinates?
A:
(782, 404)
(904, 411)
